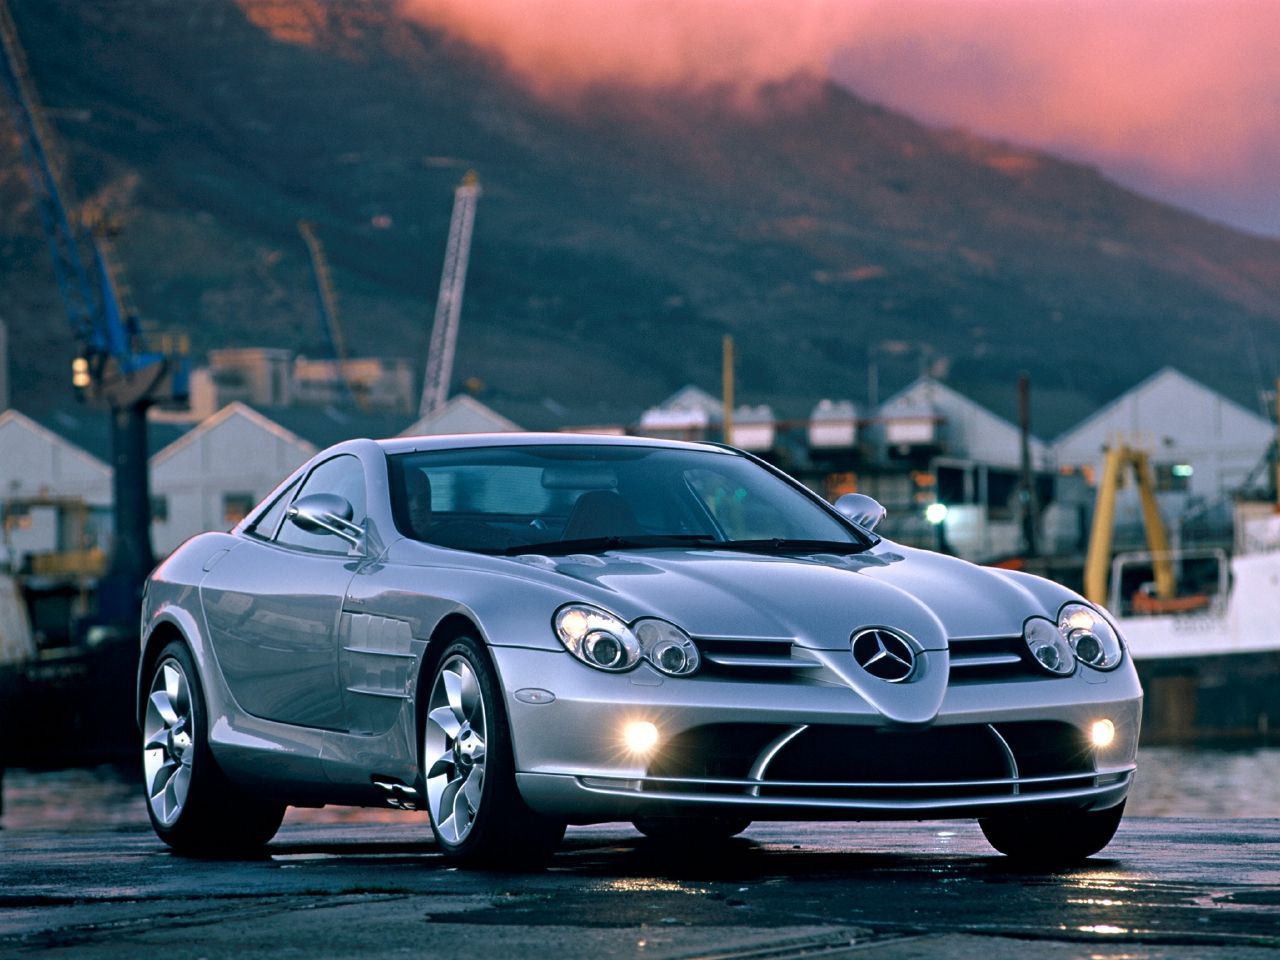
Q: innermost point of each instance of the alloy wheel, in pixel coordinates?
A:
(454, 744)
(168, 745)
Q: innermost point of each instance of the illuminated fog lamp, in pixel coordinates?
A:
(1102, 733)
(935, 513)
(640, 736)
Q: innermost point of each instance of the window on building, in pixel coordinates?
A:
(1173, 477)
(159, 509)
(236, 506)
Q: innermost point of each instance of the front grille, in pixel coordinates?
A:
(984, 659)
(759, 658)
(717, 750)
(874, 766)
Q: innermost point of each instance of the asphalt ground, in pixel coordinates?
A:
(1164, 888)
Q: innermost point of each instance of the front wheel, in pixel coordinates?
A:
(194, 808)
(477, 814)
(1052, 838)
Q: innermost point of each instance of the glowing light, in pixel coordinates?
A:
(574, 624)
(80, 373)
(935, 513)
(1102, 733)
(640, 736)
(1080, 619)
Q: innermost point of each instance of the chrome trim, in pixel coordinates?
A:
(765, 756)
(771, 663)
(964, 661)
(369, 692)
(1110, 777)
(1010, 759)
(381, 653)
(1094, 785)
(718, 639)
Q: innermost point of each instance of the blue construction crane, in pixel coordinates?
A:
(113, 363)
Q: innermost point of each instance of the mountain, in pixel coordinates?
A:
(618, 237)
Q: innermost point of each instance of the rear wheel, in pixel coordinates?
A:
(693, 829)
(1052, 838)
(477, 814)
(193, 807)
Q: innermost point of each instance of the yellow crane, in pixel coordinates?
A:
(1098, 559)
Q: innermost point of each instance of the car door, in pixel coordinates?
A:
(273, 606)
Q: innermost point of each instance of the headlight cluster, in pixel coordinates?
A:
(601, 640)
(1081, 633)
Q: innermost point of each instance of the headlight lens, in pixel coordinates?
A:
(601, 640)
(1081, 633)
(1093, 640)
(667, 647)
(597, 638)
(1049, 646)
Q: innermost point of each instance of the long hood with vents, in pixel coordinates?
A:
(816, 600)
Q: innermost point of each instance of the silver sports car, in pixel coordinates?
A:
(516, 632)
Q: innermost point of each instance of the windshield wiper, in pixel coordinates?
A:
(602, 544)
(783, 545)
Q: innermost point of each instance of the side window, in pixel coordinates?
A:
(342, 475)
(267, 524)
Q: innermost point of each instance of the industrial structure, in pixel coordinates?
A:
(453, 279)
(114, 364)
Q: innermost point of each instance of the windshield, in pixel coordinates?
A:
(584, 498)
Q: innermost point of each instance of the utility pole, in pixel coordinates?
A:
(1027, 491)
(726, 382)
(1277, 473)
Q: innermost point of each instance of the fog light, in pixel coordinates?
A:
(1102, 733)
(640, 736)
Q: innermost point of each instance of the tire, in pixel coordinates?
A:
(468, 768)
(1052, 838)
(193, 807)
(701, 829)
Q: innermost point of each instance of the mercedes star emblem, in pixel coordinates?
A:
(884, 654)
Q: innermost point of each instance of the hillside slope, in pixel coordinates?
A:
(617, 240)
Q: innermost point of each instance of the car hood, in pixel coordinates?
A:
(817, 600)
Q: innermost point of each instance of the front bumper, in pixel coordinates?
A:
(810, 749)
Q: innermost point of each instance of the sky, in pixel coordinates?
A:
(1178, 99)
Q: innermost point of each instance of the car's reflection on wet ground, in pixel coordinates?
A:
(1165, 887)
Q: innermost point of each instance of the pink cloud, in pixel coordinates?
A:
(1179, 97)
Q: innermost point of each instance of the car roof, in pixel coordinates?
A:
(466, 441)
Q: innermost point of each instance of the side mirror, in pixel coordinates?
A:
(326, 513)
(865, 511)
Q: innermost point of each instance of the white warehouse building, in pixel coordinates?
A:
(1200, 443)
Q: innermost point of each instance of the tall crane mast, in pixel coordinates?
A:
(112, 364)
(444, 329)
(328, 301)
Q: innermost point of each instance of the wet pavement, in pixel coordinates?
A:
(1164, 888)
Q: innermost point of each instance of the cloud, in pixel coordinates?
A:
(562, 46)
(1180, 97)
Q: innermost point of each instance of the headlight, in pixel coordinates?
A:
(597, 638)
(667, 647)
(1092, 638)
(601, 640)
(1049, 646)
(1081, 633)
